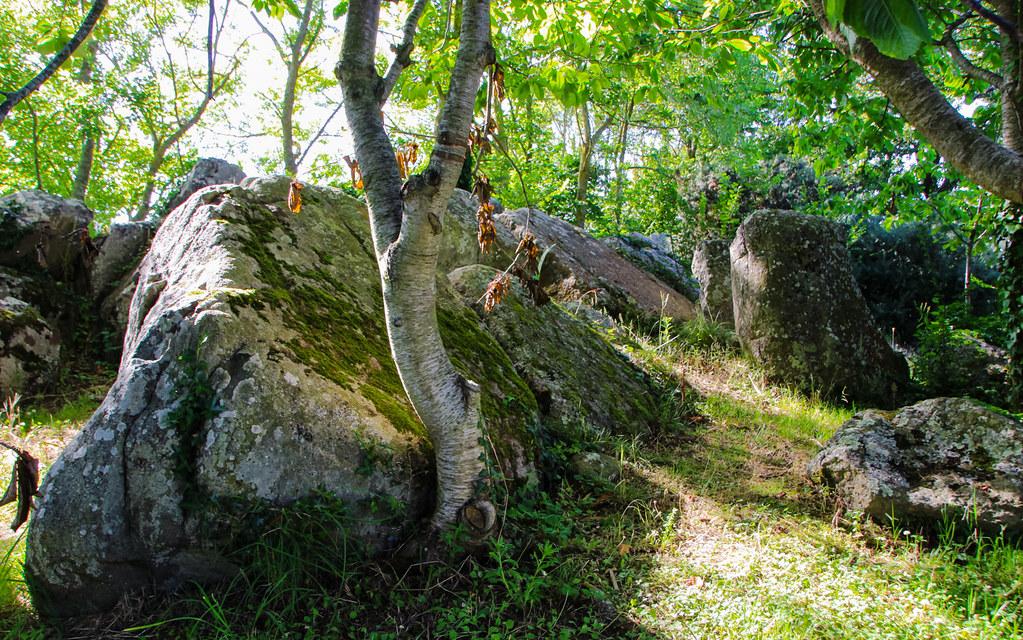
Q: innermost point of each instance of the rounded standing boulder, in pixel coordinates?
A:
(800, 314)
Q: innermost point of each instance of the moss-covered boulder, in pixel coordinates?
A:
(256, 371)
(799, 312)
(712, 266)
(578, 378)
(29, 346)
(944, 459)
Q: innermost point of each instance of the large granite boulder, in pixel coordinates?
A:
(712, 266)
(580, 267)
(256, 371)
(944, 457)
(43, 232)
(205, 172)
(119, 253)
(800, 314)
(29, 346)
(653, 254)
(115, 272)
(576, 376)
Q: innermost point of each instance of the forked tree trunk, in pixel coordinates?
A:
(407, 226)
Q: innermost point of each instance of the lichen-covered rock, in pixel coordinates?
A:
(596, 468)
(576, 376)
(43, 232)
(206, 172)
(653, 255)
(712, 266)
(799, 313)
(29, 348)
(256, 371)
(944, 457)
(120, 251)
(581, 267)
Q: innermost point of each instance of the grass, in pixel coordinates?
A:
(713, 532)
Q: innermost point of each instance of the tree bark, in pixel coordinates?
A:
(407, 226)
(588, 140)
(14, 97)
(296, 57)
(995, 167)
(83, 172)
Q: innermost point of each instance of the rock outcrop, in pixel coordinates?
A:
(256, 371)
(43, 232)
(712, 266)
(114, 271)
(580, 382)
(29, 346)
(205, 173)
(941, 458)
(800, 314)
(653, 254)
(581, 267)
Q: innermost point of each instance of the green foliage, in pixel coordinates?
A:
(195, 404)
(896, 27)
(950, 359)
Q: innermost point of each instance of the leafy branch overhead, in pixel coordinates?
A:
(896, 27)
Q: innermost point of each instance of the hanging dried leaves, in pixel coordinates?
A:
(497, 83)
(478, 141)
(496, 291)
(353, 165)
(486, 233)
(407, 156)
(295, 196)
(528, 248)
(24, 484)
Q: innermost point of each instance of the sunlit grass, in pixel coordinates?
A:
(713, 532)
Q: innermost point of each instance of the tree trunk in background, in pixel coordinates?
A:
(83, 172)
(587, 141)
(297, 53)
(623, 137)
(407, 226)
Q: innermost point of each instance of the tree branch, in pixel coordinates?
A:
(1006, 26)
(964, 63)
(988, 164)
(14, 97)
(403, 51)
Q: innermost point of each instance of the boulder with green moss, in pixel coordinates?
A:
(29, 346)
(944, 460)
(579, 380)
(256, 372)
(798, 311)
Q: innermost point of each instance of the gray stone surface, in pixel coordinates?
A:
(944, 457)
(653, 254)
(120, 252)
(206, 172)
(578, 379)
(276, 320)
(43, 232)
(800, 314)
(29, 347)
(581, 267)
(712, 266)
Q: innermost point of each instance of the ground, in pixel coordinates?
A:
(714, 532)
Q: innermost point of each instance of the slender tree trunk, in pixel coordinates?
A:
(83, 172)
(623, 138)
(968, 268)
(297, 50)
(588, 139)
(993, 166)
(406, 223)
(147, 191)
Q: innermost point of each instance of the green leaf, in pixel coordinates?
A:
(340, 9)
(740, 44)
(835, 10)
(896, 27)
